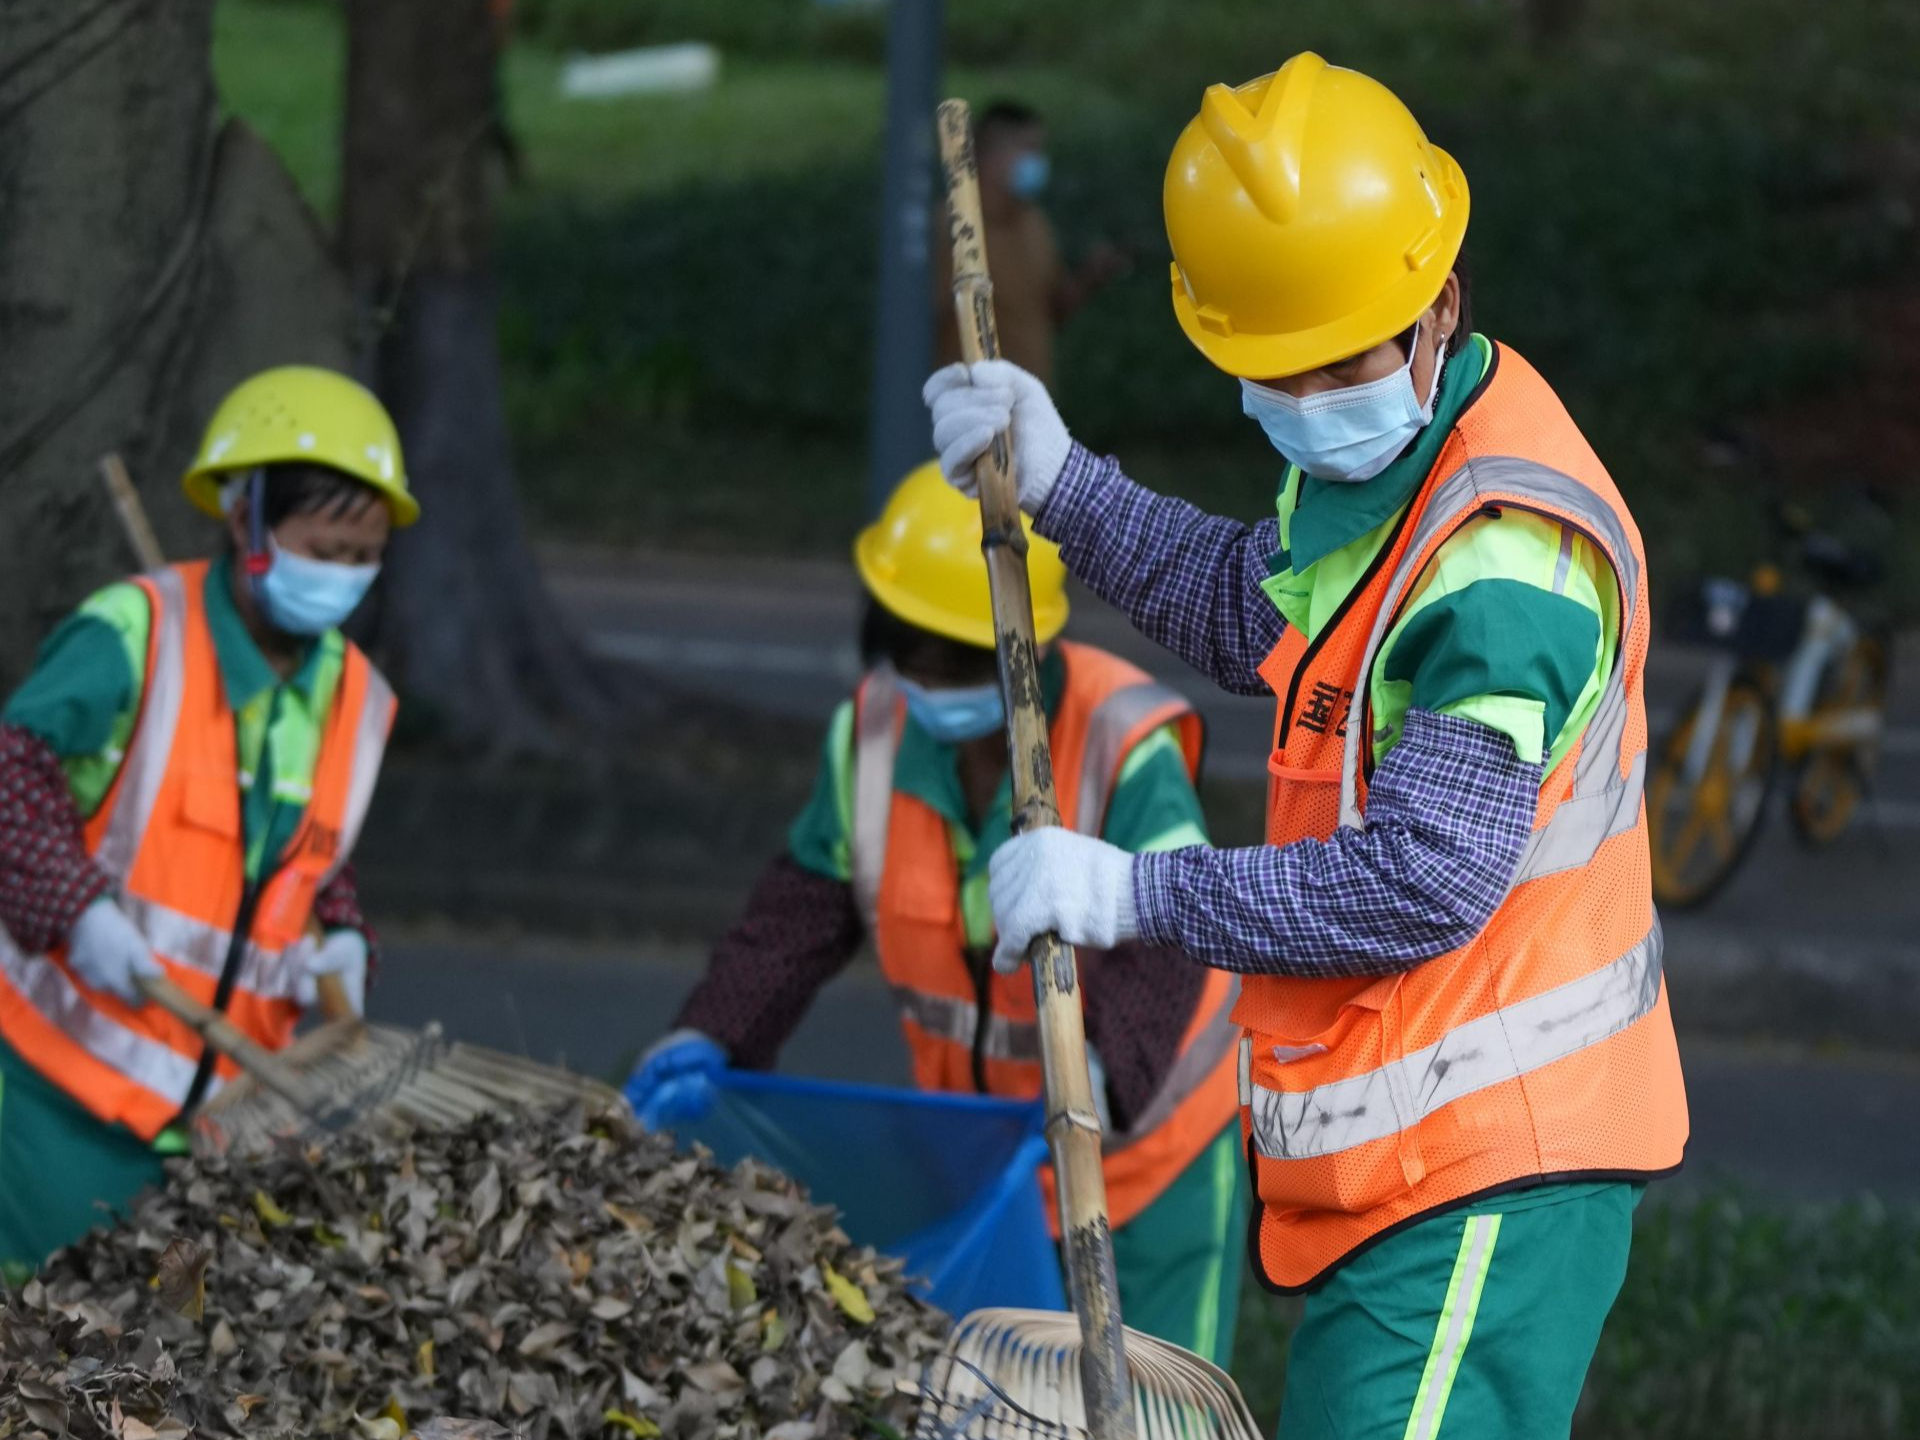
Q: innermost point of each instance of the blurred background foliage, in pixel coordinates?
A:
(1691, 216)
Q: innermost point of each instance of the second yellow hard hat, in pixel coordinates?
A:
(1310, 220)
(921, 559)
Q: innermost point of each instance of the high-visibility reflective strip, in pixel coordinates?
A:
(1455, 1326)
(1502, 1045)
(1113, 720)
(204, 947)
(876, 740)
(1575, 831)
(369, 745)
(139, 1057)
(1189, 1070)
(946, 1018)
(146, 765)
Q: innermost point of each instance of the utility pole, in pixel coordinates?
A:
(903, 314)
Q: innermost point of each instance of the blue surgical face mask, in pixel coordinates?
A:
(1352, 433)
(951, 716)
(303, 596)
(1029, 174)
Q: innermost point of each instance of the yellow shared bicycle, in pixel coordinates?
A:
(1796, 692)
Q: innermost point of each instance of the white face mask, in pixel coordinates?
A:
(1352, 433)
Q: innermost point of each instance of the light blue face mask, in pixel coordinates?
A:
(952, 716)
(1029, 174)
(1352, 433)
(303, 596)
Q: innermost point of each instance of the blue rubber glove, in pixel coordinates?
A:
(673, 1083)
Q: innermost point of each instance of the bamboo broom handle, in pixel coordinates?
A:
(133, 515)
(230, 1040)
(1073, 1125)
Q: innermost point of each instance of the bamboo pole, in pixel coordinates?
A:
(1073, 1125)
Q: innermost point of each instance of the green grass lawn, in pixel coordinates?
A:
(1663, 213)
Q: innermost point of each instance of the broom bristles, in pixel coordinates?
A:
(1017, 1373)
(383, 1077)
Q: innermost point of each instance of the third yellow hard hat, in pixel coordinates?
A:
(1310, 219)
(921, 559)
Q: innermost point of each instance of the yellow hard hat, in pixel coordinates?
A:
(921, 559)
(302, 413)
(1310, 219)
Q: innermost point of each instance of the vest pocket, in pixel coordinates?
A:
(1302, 800)
(1332, 1127)
(211, 803)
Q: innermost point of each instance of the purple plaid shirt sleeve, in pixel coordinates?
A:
(1187, 579)
(1448, 812)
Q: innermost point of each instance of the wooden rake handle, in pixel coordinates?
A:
(1073, 1124)
(266, 1068)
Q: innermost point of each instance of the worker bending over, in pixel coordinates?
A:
(912, 801)
(182, 778)
(1458, 1066)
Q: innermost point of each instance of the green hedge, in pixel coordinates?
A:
(1740, 1320)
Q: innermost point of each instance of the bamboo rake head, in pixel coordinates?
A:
(383, 1077)
(1017, 1373)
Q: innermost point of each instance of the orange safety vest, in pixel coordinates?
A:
(1542, 1048)
(169, 834)
(970, 1029)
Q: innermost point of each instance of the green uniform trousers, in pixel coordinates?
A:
(61, 1171)
(1477, 1324)
(1180, 1259)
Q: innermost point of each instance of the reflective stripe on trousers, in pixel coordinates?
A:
(1502, 1045)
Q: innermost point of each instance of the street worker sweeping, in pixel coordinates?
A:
(1458, 1068)
(913, 797)
(182, 779)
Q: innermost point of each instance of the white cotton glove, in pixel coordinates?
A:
(342, 953)
(973, 403)
(1059, 880)
(108, 952)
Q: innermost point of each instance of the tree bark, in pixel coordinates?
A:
(149, 259)
(464, 613)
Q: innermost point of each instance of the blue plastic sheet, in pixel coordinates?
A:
(949, 1183)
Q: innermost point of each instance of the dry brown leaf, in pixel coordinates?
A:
(181, 1279)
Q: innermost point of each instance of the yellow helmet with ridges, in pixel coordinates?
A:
(1310, 219)
(921, 560)
(302, 413)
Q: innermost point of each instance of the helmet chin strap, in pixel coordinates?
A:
(259, 557)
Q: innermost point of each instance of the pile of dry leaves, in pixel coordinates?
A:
(561, 1275)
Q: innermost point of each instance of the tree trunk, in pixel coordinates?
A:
(464, 615)
(1552, 23)
(148, 260)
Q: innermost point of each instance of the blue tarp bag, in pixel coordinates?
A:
(949, 1183)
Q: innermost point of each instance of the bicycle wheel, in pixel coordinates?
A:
(1830, 782)
(1700, 832)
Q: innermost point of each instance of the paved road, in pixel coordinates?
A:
(779, 636)
(1781, 1120)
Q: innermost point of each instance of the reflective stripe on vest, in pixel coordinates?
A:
(145, 767)
(946, 1018)
(1502, 1045)
(1603, 802)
